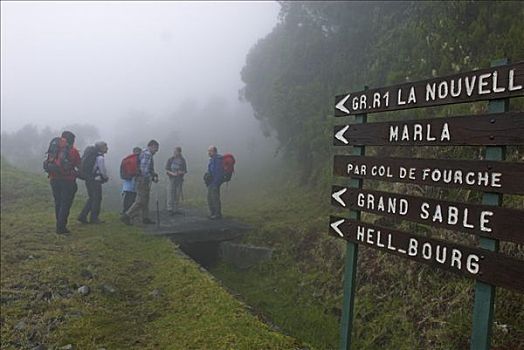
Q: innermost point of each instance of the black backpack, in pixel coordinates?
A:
(87, 163)
(57, 157)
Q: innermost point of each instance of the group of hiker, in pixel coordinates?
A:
(64, 165)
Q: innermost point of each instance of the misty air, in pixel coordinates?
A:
(262, 175)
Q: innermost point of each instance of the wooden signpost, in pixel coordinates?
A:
(490, 267)
(489, 176)
(489, 129)
(493, 176)
(481, 85)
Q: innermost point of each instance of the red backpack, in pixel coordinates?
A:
(57, 157)
(228, 164)
(129, 167)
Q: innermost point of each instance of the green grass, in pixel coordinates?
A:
(144, 293)
(400, 304)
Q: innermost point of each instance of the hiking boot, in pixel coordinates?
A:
(125, 219)
(62, 231)
(82, 220)
(148, 221)
(215, 217)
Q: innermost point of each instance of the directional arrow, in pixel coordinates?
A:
(334, 226)
(340, 105)
(340, 135)
(336, 196)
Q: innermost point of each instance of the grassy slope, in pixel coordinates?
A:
(399, 304)
(160, 300)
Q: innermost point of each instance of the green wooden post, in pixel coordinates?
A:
(485, 293)
(351, 262)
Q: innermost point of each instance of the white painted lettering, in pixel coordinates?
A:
(360, 233)
(354, 103)
(390, 245)
(453, 215)
(483, 83)
(472, 264)
(436, 175)
(437, 215)
(483, 179)
(363, 104)
(412, 247)
(393, 133)
(456, 89)
(399, 98)
(495, 87)
(380, 206)
(376, 100)
(431, 92)
(470, 84)
(379, 235)
(495, 180)
(429, 137)
(465, 223)
(412, 97)
(412, 173)
(417, 132)
(458, 177)
(470, 178)
(444, 135)
(512, 86)
(440, 254)
(371, 202)
(456, 255)
(443, 90)
(369, 239)
(360, 200)
(403, 206)
(402, 172)
(426, 251)
(484, 220)
(405, 133)
(424, 213)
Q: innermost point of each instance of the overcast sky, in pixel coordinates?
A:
(93, 62)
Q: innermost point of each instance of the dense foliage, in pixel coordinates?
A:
(321, 49)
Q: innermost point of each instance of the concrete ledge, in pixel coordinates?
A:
(243, 256)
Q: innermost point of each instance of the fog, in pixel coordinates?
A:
(64, 62)
(135, 71)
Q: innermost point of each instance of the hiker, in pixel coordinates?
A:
(94, 172)
(176, 168)
(129, 185)
(146, 175)
(62, 164)
(213, 179)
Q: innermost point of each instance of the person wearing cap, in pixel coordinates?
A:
(63, 182)
(94, 187)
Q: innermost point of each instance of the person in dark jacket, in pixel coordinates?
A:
(176, 168)
(63, 184)
(214, 178)
(96, 177)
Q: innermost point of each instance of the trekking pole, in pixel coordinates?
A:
(157, 210)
